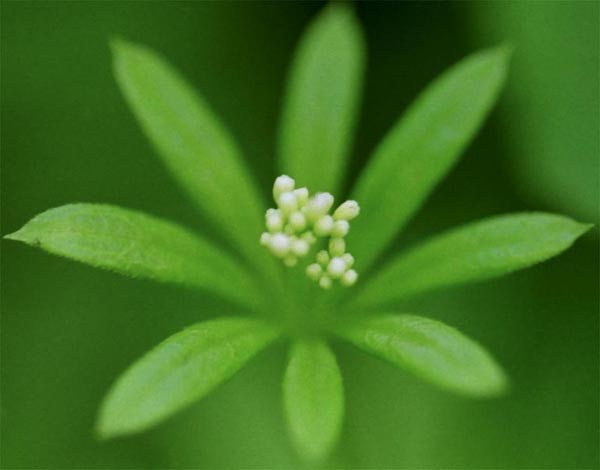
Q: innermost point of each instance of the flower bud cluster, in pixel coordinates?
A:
(299, 221)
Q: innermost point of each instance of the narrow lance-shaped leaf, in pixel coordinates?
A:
(481, 250)
(137, 245)
(422, 147)
(192, 142)
(313, 396)
(180, 370)
(322, 100)
(433, 351)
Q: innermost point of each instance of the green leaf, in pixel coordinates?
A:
(137, 245)
(421, 148)
(433, 351)
(481, 250)
(182, 369)
(322, 100)
(192, 142)
(313, 396)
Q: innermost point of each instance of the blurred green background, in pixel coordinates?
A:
(68, 330)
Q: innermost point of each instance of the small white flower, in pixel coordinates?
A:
(347, 211)
(283, 184)
(265, 237)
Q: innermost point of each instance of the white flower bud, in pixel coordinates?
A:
(349, 259)
(325, 282)
(279, 245)
(336, 267)
(283, 184)
(322, 258)
(318, 206)
(340, 228)
(347, 211)
(337, 246)
(302, 196)
(349, 278)
(300, 247)
(290, 261)
(323, 226)
(314, 271)
(297, 221)
(274, 220)
(265, 237)
(287, 202)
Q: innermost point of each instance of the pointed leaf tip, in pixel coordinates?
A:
(431, 350)
(183, 368)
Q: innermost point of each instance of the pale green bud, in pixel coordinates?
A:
(325, 282)
(309, 238)
(336, 267)
(265, 237)
(283, 184)
(300, 247)
(347, 211)
(322, 258)
(297, 221)
(340, 228)
(302, 196)
(349, 259)
(290, 261)
(279, 244)
(349, 278)
(318, 206)
(274, 220)
(314, 271)
(323, 226)
(337, 246)
(287, 203)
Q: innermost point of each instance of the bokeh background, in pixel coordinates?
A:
(68, 330)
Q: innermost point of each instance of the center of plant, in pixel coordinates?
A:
(300, 221)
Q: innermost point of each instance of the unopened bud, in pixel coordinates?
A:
(318, 206)
(279, 245)
(301, 196)
(322, 258)
(300, 247)
(347, 211)
(274, 220)
(297, 221)
(265, 237)
(336, 267)
(314, 271)
(325, 282)
(337, 246)
(287, 202)
(323, 226)
(340, 228)
(349, 278)
(283, 184)
(290, 261)
(349, 259)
